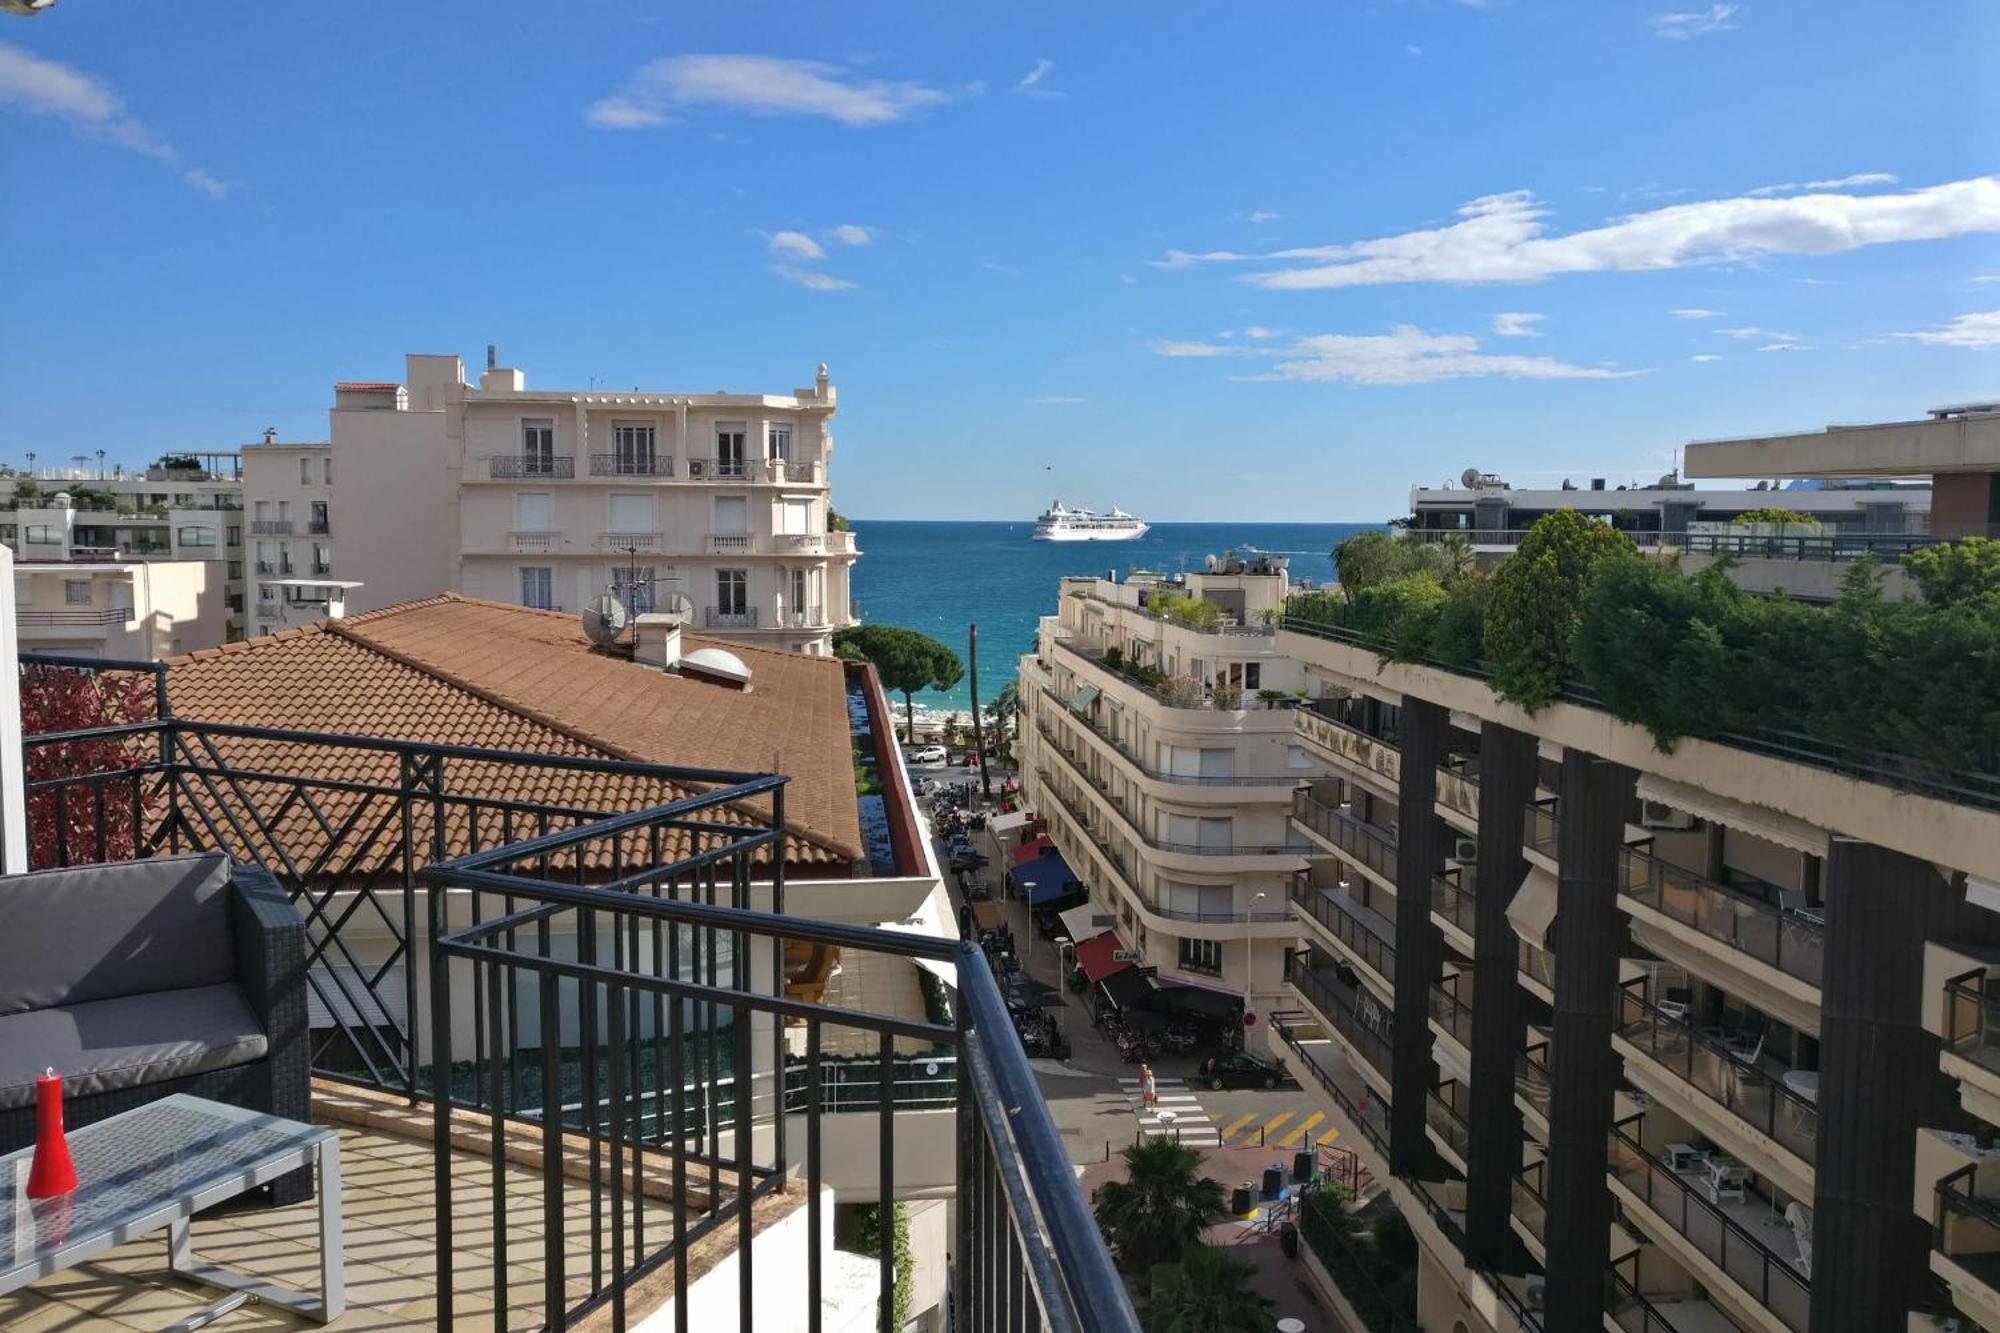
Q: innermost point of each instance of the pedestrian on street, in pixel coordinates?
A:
(1149, 1091)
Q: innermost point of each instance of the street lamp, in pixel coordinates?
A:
(1250, 948)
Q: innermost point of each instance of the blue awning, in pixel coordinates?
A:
(1044, 877)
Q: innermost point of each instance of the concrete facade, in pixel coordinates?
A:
(128, 612)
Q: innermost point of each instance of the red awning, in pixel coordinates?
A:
(1029, 851)
(1094, 956)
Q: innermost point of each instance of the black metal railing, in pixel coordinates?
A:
(1965, 1227)
(1452, 900)
(1538, 829)
(512, 466)
(1450, 1012)
(631, 465)
(1132, 757)
(1355, 1015)
(1531, 1205)
(1834, 546)
(1369, 1111)
(1633, 1313)
(1445, 1112)
(718, 469)
(731, 617)
(1371, 847)
(1728, 1077)
(671, 953)
(1533, 1079)
(271, 526)
(1342, 918)
(1768, 1278)
(97, 615)
(1972, 1018)
(1787, 940)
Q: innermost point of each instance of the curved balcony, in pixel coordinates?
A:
(1368, 935)
(1372, 848)
(1126, 753)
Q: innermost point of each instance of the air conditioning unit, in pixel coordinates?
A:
(1465, 851)
(1537, 1291)
(1659, 815)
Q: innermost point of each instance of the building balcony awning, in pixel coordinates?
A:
(1097, 956)
(1085, 697)
(1741, 815)
(1127, 987)
(1085, 921)
(1533, 907)
(1030, 850)
(1001, 825)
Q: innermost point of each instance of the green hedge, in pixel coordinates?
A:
(1375, 1269)
(1681, 655)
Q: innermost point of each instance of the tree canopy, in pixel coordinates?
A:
(1537, 600)
(907, 660)
(1208, 1291)
(1160, 1208)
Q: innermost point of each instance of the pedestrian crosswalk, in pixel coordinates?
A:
(1286, 1129)
(1178, 1114)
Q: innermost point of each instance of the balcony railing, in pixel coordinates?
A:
(1452, 900)
(631, 465)
(1444, 1112)
(1531, 1205)
(1965, 1228)
(1365, 1024)
(668, 1050)
(1707, 1063)
(1533, 1078)
(726, 617)
(1834, 546)
(1769, 1279)
(785, 469)
(729, 543)
(1342, 918)
(1538, 831)
(1537, 963)
(271, 526)
(1451, 1013)
(319, 527)
(1188, 779)
(629, 541)
(98, 615)
(535, 541)
(718, 469)
(1631, 1312)
(1972, 1018)
(1793, 943)
(1372, 847)
(1369, 1111)
(508, 467)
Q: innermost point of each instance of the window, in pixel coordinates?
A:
(634, 444)
(538, 448)
(196, 535)
(320, 520)
(76, 592)
(631, 513)
(235, 569)
(305, 472)
(795, 517)
(1185, 761)
(1197, 902)
(534, 511)
(729, 448)
(1193, 831)
(236, 536)
(262, 511)
(732, 591)
(798, 583)
(732, 514)
(42, 534)
(779, 435)
(322, 558)
(538, 587)
(1296, 757)
(326, 469)
(635, 586)
(1201, 956)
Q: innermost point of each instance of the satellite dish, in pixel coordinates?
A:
(678, 607)
(605, 619)
(1469, 478)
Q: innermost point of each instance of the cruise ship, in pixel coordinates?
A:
(1060, 523)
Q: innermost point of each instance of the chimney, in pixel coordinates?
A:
(1597, 483)
(657, 641)
(492, 356)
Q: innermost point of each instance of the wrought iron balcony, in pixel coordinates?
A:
(690, 1090)
(718, 469)
(271, 526)
(507, 467)
(631, 465)
(82, 615)
(731, 617)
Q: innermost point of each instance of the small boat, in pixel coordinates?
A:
(1062, 523)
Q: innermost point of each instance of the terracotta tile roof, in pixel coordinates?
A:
(457, 671)
(365, 386)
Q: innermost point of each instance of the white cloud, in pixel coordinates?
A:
(1695, 312)
(90, 107)
(1784, 345)
(1517, 324)
(1859, 178)
(1705, 357)
(1987, 277)
(1055, 400)
(1257, 215)
(1128, 280)
(797, 245)
(1414, 50)
(1749, 331)
(849, 234)
(1679, 26)
(1504, 238)
(761, 85)
(1407, 355)
(1977, 332)
(812, 279)
(1259, 332)
(1031, 84)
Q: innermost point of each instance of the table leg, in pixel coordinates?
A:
(322, 1308)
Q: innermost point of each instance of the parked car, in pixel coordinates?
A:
(1240, 1069)
(930, 754)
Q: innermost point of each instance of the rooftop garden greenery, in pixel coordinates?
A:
(1577, 609)
(1197, 613)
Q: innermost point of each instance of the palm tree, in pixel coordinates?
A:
(1003, 708)
(1206, 1293)
(1161, 1206)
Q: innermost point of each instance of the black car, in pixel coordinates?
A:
(1239, 1069)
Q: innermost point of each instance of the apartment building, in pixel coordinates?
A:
(139, 611)
(1158, 742)
(714, 508)
(288, 497)
(1694, 1039)
(184, 507)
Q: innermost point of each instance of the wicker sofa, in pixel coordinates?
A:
(139, 979)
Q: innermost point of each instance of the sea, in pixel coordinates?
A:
(944, 577)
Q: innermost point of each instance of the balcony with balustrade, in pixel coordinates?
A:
(1344, 1009)
(668, 1157)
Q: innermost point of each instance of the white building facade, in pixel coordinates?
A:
(714, 506)
(130, 612)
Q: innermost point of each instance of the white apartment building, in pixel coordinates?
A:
(139, 611)
(1169, 795)
(288, 490)
(184, 507)
(711, 506)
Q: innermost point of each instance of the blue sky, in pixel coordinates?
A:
(1207, 261)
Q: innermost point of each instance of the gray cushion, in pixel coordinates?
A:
(130, 1040)
(96, 932)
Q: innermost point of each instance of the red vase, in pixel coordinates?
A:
(53, 1172)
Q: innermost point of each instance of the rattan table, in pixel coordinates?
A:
(153, 1168)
